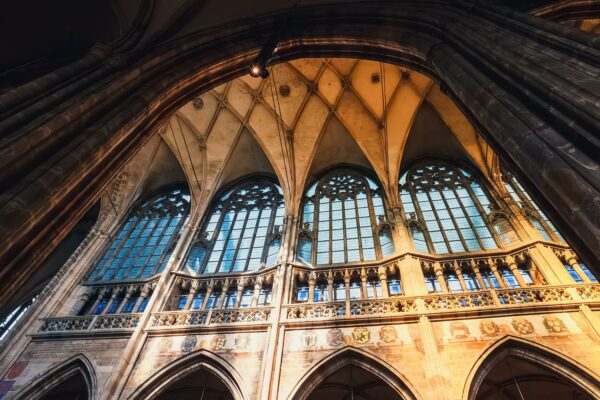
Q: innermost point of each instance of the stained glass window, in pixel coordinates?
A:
(539, 220)
(341, 211)
(450, 205)
(242, 230)
(145, 241)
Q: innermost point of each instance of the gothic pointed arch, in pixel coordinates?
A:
(242, 229)
(202, 361)
(344, 215)
(549, 365)
(75, 374)
(350, 356)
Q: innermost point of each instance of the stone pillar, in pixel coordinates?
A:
(499, 278)
(461, 278)
(363, 285)
(224, 290)
(209, 290)
(240, 292)
(128, 293)
(439, 273)
(330, 287)
(347, 285)
(385, 290)
(312, 280)
(191, 295)
(514, 268)
(257, 288)
(571, 259)
(477, 273)
(144, 293)
(113, 298)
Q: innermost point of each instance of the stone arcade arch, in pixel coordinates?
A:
(200, 362)
(66, 381)
(514, 357)
(360, 360)
(487, 58)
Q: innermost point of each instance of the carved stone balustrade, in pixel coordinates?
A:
(203, 318)
(316, 311)
(87, 323)
(589, 292)
(458, 300)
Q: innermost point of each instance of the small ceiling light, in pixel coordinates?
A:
(258, 71)
(375, 78)
(284, 90)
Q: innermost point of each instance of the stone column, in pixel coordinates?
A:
(330, 287)
(514, 268)
(499, 278)
(240, 292)
(385, 290)
(439, 273)
(128, 293)
(312, 280)
(113, 297)
(224, 290)
(209, 290)
(347, 285)
(144, 293)
(363, 285)
(191, 295)
(571, 259)
(257, 288)
(477, 273)
(461, 278)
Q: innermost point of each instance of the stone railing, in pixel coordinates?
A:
(188, 319)
(86, 323)
(435, 303)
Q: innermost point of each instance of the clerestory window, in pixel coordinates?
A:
(344, 220)
(446, 209)
(145, 241)
(242, 231)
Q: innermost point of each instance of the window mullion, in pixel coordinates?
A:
(253, 240)
(437, 217)
(266, 245)
(218, 269)
(330, 230)
(417, 207)
(119, 248)
(116, 271)
(315, 238)
(358, 228)
(239, 242)
(169, 243)
(456, 227)
(468, 218)
(145, 244)
(344, 236)
(483, 214)
(374, 224)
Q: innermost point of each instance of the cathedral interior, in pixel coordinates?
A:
(300, 200)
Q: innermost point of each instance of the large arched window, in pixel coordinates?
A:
(446, 205)
(340, 215)
(242, 231)
(536, 217)
(145, 241)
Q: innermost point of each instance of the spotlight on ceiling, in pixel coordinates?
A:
(258, 71)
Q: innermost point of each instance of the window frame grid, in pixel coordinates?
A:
(138, 211)
(223, 205)
(314, 230)
(466, 182)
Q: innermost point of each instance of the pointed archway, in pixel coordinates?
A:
(352, 373)
(73, 379)
(517, 369)
(200, 374)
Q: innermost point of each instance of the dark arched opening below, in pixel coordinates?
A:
(515, 378)
(353, 382)
(201, 384)
(74, 388)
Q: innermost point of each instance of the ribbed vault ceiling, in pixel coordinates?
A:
(334, 103)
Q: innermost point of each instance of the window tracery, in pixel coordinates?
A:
(445, 208)
(145, 241)
(344, 220)
(242, 232)
(534, 214)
